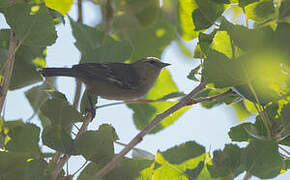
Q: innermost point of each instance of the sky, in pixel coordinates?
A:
(207, 127)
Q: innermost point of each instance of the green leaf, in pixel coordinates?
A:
(58, 139)
(263, 159)
(137, 14)
(146, 12)
(37, 96)
(85, 102)
(128, 169)
(4, 4)
(32, 24)
(222, 43)
(24, 71)
(284, 116)
(3, 56)
(284, 11)
(244, 3)
(193, 73)
(179, 154)
(96, 46)
(227, 163)
(203, 45)
(36, 170)
(12, 165)
(144, 113)
(240, 133)
(260, 11)
(184, 161)
(258, 76)
(151, 41)
(59, 111)
(142, 154)
(96, 146)
(244, 38)
(61, 6)
(241, 111)
(185, 24)
(24, 138)
(206, 13)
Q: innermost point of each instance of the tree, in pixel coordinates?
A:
(243, 63)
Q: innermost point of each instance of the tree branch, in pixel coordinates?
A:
(9, 67)
(76, 101)
(138, 138)
(65, 157)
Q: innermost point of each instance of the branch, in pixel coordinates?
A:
(9, 67)
(78, 82)
(138, 138)
(65, 158)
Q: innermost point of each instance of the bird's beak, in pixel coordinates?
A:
(164, 65)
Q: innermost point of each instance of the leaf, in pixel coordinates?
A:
(37, 96)
(128, 169)
(284, 116)
(244, 3)
(58, 139)
(185, 24)
(222, 43)
(257, 76)
(284, 11)
(240, 133)
(227, 163)
(59, 111)
(137, 14)
(206, 13)
(241, 110)
(142, 154)
(184, 161)
(24, 137)
(97, 146)
(24, 71)
(151, 41)
(12, 165)
(4, 4)
(193, 73)
(36, 170)
(61, 6)
(32, 24)
(96, 46)
(183, 152)
(260, 11)
(85, 102)
(263, 159)
(144, 113)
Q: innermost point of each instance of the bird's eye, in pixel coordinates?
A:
(152, 62)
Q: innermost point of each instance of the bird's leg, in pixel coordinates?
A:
(92, 108)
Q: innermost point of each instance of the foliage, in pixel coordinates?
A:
(249, 57)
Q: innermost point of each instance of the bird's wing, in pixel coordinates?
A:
(121, 75)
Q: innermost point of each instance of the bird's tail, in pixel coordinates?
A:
(56, 72)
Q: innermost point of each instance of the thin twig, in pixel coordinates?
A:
(138, 138)
(247, 176)
(78, 82)
(8, 68)
(80, 168)
(287, 152)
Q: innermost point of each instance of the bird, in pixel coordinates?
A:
(114, 81)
